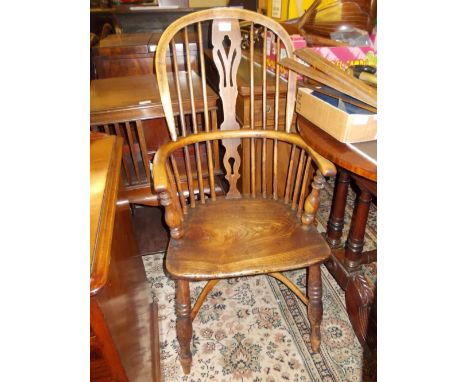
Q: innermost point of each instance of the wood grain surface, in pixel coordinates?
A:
(335, 151)
(243, 237)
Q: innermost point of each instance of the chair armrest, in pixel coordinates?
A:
(160, 176)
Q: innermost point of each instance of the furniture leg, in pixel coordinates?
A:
(336, 221)
(355, 241)
(315, 307)
(360, 295)
(184, 324)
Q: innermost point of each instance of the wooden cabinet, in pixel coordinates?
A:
(120, 55)
(124, 338)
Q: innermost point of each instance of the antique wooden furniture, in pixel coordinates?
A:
(124, 340)
(316, 24)
(345, 261)
(136, 19)
(130, 54)
(266, 230)
(131, 108)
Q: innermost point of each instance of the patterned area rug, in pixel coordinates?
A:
(255, 329)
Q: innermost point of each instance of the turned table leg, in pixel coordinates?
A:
(336, 221)
(355, 242)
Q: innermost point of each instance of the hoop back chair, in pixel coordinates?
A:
(265, 231)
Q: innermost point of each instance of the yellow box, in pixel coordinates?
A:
(345, 127)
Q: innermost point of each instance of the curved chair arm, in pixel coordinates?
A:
(161, 178)
(167, 193)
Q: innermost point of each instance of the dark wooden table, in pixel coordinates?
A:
(347, 258)
(120, 349)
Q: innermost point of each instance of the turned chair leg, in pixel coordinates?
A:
(315, 307)
(184, 323)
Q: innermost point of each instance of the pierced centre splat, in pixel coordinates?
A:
(226, 40)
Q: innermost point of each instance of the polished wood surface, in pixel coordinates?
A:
(360, 14)
(104, 182)
(241, 238)
(137, 97)
(348, 257)
(337, 152)
(269, 228)
(124, 340)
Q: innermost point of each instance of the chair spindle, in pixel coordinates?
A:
(188, 166)
(252, 111)
(205, 113)
(143, 148)
(287, 191)
(194, 119)
(297, 184)
(133, 152)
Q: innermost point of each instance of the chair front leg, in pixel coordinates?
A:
(315, 307)
(184, 323)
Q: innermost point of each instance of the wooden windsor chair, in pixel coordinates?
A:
(265, 231)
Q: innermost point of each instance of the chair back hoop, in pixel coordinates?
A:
(225, 23)
(271, 163)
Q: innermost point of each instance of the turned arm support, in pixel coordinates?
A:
(312, 202)
(167, 196)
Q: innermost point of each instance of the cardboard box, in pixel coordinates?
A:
(353, 125)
